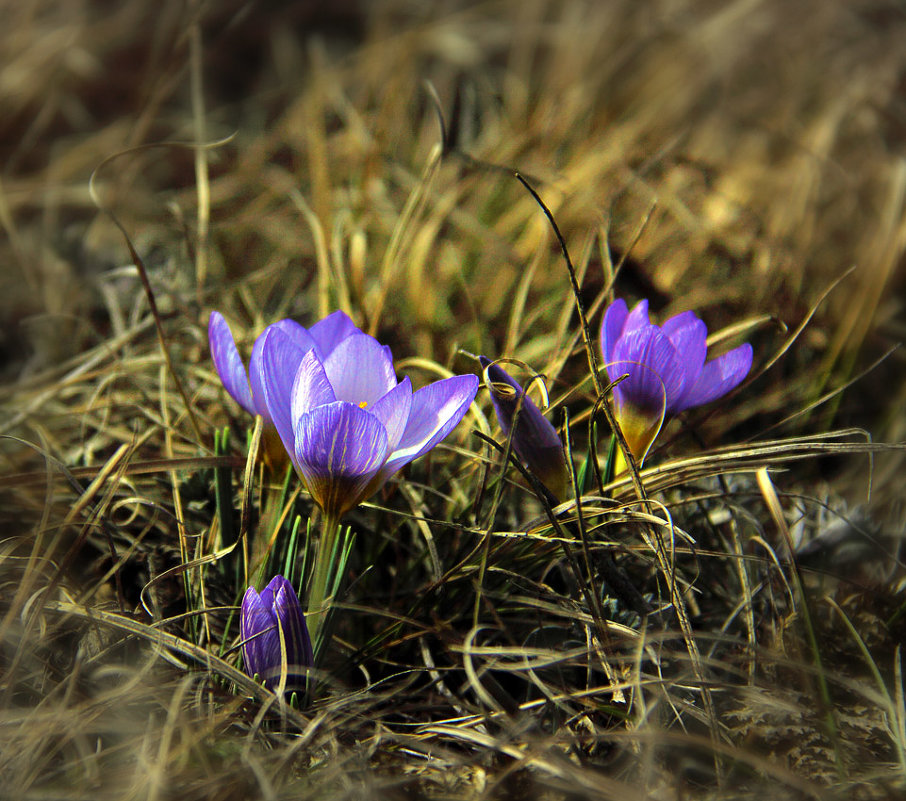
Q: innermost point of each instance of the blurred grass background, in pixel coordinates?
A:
(737, 158)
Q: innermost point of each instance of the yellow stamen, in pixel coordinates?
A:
(363, 404)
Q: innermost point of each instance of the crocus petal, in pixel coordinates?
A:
(256, 379)
(612, 327)
(656, 376)
(535, 440)
(393, 411)
(297, 333)
(685, 329)
(267, 594)
(339, 449)
(331, 331)
(258, 633)
(289, 616)
(228, 362)
(689, 336)
(637, 318)
(310, 387)
(299, 336)
(280, 359)
(360, 369)
(718, 377)
(436, 411)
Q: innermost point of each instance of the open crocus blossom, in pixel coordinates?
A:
(245, 387)
(666, 369)
(272, 624)
(535, 440)
(345, 421)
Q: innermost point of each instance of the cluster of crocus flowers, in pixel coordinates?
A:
(331, 393)
(534, 439)
(665, 367)
(275, 642)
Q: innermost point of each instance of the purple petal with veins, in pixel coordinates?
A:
(228, 362)
(689, 335)
(718, 377)
(655, 375)
(637, 318)
(360, 370)
(311, 387)
(339, 449)
(280, 361)
(393, 411)
(331, 331)
(436, 411)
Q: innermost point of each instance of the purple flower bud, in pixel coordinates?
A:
(666, 369)
(264, 621)
(535, 440)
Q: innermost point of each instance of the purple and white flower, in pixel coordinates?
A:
(332, 394)
(666, 368)
(265, 620)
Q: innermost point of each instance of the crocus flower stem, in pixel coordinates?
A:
(323, 571)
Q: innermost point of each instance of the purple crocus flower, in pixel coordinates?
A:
(264, 620)
(345, 421)
(666, 367)
(245, 387)
(535, 440)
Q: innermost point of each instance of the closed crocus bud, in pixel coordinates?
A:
(266, 621)
(535, 440)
